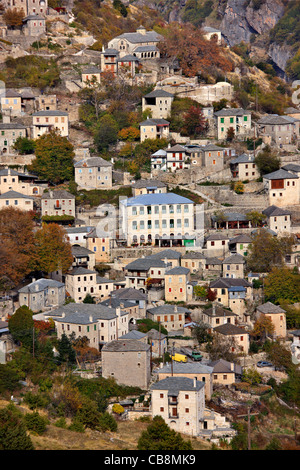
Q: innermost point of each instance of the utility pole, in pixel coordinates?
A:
(248, 424)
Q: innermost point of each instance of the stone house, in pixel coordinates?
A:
(90, 74)
(236, 118)
(233, 266)
(109, 58)
(132, 299)
(34, 25)
(181, 402)
(278, 130)
(81, 281)
(146, 274)
(240, 244)
(128, 362)
(244, 168)
(170, 257)
(171, 317)
(217, 244)
(277, 315)
(17, 200)
(93, 173)
(160, 219)
(159, 102)
(11, 103)
(9, 133)
(100, 324)
(158, 342)
(178, 158)
(239, 336)
(45, 121)
(194, 261)
(46, 103)
(31, 7)
(176, 284)
(283, 188)
(100, 245)
(127, 43)
(217, 315)
(42, 294)
(208, 156)
(58, 202)
(82, 257)
(212, 267)
(292, 168)
(225, 373)
(154, 129)
(279, 220)
(7, 344)
(233, 293)
(24, 183)
(190, 370)
(77, 235)
(159, 160)
(150, 186)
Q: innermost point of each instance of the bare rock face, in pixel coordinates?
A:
(241, 19)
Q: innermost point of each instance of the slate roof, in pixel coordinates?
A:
(174, 385)
(168, 253)
(128, 58)
(79, 271)
(149, 184)
(145, 264)
(176, 148)
(79, 251)
(11, 125)
(136, 38)
(291, 167)
(92, 162)
(158, 93)
(128, 293)
(228, 282)
(230, 329)
(275, 119)
(243, 238)
(154, 122)
(186, 368)
(110, 51)
(217, 236)
(80, 312)
(212, 260)
(156, 199)
(57, 194)
(232, 112)
(218, 311)
(14, 195)
(50, 113)
(155, 335)
(269, 307)
(125, 345)
(40, 285)
(280, 174)
(273, 211)
(134, 334)
(177, 271)
(193, 255)
(167, 308)
(7, 171)
(234, 259)
(222, 366)
(244, 158)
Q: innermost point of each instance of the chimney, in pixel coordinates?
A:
(90, 318)
(232, 366)
(195, 382)
(118, 311)
(175, 308)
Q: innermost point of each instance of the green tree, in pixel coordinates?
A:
(88, 414)
(66, 352)
(21, 326)
(106, 132)
(9, 379)
(200, 332)
(36, 423)
(267, 161)
(107, 422)
(159, 436)
(13, 434)
(24, 146)
(88, 299)
(267, 251)
(282, 286)
(255, 217)
(53, 158)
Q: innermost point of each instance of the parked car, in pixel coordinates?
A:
(264, 364)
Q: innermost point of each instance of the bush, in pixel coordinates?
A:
(36, 423)
(107, 423)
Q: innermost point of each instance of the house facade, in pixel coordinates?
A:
(244, 168)
(159, 102)
(154, 128)
(283, 188)
(277, 315)
(42, 294)
(58, 203)
(236, 118)
(160, 219)
(45, 121)
(93, 173)
(17, 200)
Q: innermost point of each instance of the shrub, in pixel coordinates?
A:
(36, 423)
(107, 422)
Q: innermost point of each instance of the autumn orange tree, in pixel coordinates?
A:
(195, 54)
(53, 250)
(263, 327)
(17, 246)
